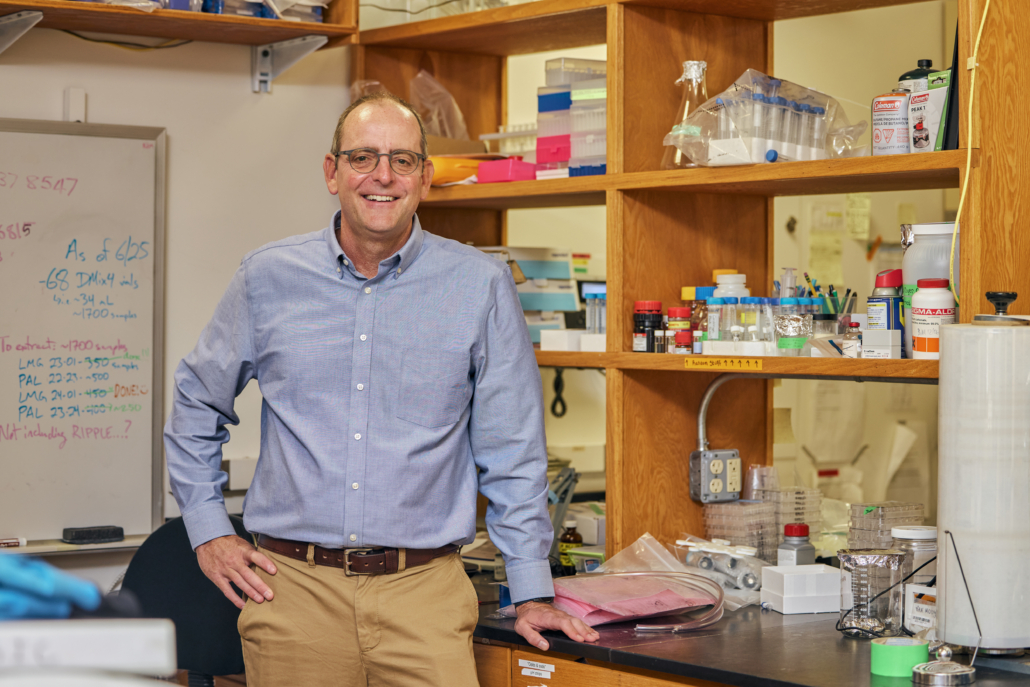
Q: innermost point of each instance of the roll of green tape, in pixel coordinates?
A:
(897, 656)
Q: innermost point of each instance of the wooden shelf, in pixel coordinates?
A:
(197, 26)
(851, 175)
(893, 173)
(770, 10)
(861, 369)
(516, 30)
(545, 193)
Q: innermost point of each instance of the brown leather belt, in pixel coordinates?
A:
(366, 560)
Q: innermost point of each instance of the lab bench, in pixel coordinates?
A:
(747, 648)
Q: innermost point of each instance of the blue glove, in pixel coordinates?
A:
(31, 588)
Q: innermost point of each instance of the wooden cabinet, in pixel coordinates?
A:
(670, 228)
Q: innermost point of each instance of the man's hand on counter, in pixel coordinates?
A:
(536, 616)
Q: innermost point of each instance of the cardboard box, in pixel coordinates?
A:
(560, 339)
(593, 343)
(927, 111)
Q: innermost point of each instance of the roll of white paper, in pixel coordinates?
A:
(984, 485)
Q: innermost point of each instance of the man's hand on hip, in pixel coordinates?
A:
(536, 616)
(228, 559)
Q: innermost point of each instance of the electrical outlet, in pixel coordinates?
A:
(733, 468)
(715, 476)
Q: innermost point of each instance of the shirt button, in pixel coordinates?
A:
(354, 537)
(363, 337)
(345, 262)
(338, 270)
(354, 486)
(357, 437)
(368, 289)
(398, 270)
(361, 387)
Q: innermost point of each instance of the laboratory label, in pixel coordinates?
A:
(712, 363)
(926, 328)
(890, 124)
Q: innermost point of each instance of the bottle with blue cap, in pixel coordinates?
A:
(714, 316)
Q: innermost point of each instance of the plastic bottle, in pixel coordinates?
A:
(852, 347)
(731, 286)
(749, 316)
(788, 282)
(916, 79)
(926, 258)
(933, 305)
(714, 313)
(694, 95)
(647, 319)
(795, 549)
(684, 342)
(569, 539)
(727, 320)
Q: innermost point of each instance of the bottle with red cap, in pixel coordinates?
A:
(884, 306)
(933, 305)
(647, 319)
(795, 549)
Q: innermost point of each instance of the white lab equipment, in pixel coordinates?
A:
(983, 510)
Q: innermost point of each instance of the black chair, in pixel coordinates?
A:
(166, 578)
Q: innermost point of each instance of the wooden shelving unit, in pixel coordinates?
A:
(669, 228)
(340, 22)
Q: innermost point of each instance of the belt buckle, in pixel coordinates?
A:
(346, 561)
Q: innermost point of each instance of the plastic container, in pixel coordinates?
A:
(588, 166)
(714, 318)
(553, 149)
(647, 319)
(926, 258)
(749, 316)
(933, 305)
(920, 546)
(684, 342)
(679, 318)
(589, 144)
(590, 90)
(731, 285)
(553, 98)
(569, 70)
(795, 549)
(589, 115)
(729, 328)
(557, 123)
(515, 139)
(493, 171)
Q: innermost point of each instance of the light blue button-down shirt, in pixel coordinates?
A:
(382, 397)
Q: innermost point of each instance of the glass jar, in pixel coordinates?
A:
(919, 542)
(679, 318)
(694, 95)
(870, 592)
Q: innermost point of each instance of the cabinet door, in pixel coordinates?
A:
(530, 670)
(493, 665)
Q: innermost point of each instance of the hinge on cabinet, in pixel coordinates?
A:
(269, 61)
(14, 26)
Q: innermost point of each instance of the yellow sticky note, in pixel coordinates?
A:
(825, 251)
(859, 209)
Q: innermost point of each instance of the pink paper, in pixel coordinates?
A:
(599, 600)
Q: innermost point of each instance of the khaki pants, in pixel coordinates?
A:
(409, 629)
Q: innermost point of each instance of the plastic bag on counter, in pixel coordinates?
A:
(762, 119)
(643, 580)
(437, 107)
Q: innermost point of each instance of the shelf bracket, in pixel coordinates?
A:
(14, 26)
(269, 61)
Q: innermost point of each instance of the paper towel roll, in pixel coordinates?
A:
(984, 484)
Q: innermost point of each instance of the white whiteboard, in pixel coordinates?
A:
(81, 327)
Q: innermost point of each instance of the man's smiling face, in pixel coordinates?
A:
(378, 204)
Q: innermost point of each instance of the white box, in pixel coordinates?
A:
(594, 343)
(801, 580)
(589, 523)
(788, 605)
(560, 339)
(881, 343)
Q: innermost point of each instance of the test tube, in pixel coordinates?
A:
(772, 88)
(714, 315)
(804, 131)
(759, 128)
(818, 133)
(729, 319)
(602, 310)
(790, 130)
(589, 302)
(723, 119)
(775, 119)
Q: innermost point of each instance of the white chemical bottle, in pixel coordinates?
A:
(933, 305)
(731, 286)
(927, 258)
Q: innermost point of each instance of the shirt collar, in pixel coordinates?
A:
(399, 262)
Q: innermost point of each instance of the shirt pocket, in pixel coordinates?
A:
(434, 390)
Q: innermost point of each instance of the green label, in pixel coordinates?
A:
(590, 94)
(869, 510)
(791, 342)
(906, 294)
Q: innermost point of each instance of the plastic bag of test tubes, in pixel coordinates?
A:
(762, 119)
(735, 567)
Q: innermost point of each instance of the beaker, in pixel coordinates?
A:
(870, 592)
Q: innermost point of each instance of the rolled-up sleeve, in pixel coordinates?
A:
(506, 433)
(206, 385)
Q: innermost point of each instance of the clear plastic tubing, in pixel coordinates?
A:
(804, 131)
(818, 133)
(759, 128)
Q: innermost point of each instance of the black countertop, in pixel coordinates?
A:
(748, 648)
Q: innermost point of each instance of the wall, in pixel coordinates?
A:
(243, 168)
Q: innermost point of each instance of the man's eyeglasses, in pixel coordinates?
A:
(365, 160)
